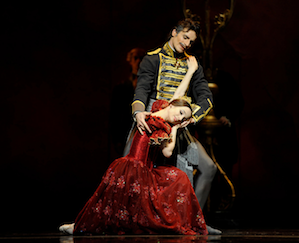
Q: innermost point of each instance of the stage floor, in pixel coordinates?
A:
(229, 236)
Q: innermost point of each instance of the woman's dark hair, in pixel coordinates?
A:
(180, 102)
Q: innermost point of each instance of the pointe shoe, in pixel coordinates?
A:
(67, 228)
(213, 231)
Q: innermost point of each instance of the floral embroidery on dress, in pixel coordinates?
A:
(108, 174)
(172, 175)
(181, 198)
(107, 210)
(152, 193)
(168, 209)
(121, 182)
(160, 189)
(122, 214)
(112, 180)
(97, 207)
(135, 188)
(199, 219)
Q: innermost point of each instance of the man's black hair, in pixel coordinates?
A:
(188, 24)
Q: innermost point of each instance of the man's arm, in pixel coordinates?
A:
(146, 78)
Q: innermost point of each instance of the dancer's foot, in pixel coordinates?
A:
(213, 231)
(67, 228)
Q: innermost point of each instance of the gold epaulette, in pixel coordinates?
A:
(154, 52)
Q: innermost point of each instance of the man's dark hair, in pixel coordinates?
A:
(188, 24)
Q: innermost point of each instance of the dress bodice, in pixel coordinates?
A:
(141, 143)
(140, 147)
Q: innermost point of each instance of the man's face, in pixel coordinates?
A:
(183, 40)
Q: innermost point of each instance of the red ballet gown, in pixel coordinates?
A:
(136, 198)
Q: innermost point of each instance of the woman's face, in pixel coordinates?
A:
(178, 114)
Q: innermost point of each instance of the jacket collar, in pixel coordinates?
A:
(168, 51)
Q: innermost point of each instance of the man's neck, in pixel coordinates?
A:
(171, 46)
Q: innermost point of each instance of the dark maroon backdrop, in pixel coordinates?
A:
(59, 63)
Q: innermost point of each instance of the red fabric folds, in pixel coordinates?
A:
(159, 105)
(135, 198)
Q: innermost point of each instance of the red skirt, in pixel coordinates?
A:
(134, 199)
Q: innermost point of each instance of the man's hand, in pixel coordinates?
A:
(225, 121)
(141, 123)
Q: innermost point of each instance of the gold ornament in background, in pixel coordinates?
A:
(210, 122)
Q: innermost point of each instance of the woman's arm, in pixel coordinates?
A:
(192, 67)
(168, 147)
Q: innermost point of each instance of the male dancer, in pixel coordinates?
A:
(160, 73)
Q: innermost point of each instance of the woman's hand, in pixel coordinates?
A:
(177, 126)
(183, 124)
(187, 122)
(192, 64)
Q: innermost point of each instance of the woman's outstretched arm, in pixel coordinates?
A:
(192, 67)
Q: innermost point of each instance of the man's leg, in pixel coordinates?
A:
(208, 170)
(204, 181)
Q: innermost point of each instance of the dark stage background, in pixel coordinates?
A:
(59, 63)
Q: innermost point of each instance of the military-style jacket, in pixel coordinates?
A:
(161, 72)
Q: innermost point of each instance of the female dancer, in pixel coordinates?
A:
(134, 197)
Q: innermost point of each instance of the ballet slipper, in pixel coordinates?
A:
(67, 228)
(213, 231)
